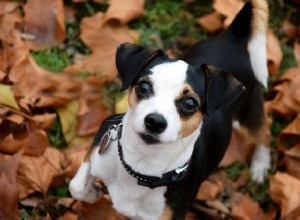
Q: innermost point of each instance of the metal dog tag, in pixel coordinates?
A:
(104, 142)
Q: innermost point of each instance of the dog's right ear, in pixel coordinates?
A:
(131, 59)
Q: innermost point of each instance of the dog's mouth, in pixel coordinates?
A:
(149, 139)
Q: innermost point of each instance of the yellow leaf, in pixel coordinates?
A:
(7, 97)
(68, 119)
(122, 105)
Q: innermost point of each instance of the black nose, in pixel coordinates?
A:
(155, 123)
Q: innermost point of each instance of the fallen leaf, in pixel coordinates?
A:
(103, 40)
(287, 99)
(68, 119)
(228, 8)
(211, 22)
(274, 52)
(291, 165)
(35, 174)
(290, 135)
(119, 13)
(25, 135)
(45, 21)
(284, 190)
(297, 52)
(9, 192)
(240, 147)
(7, 97)
(245, 208)
(122, 105)
(102, 209)
(74, 158)
(209, 190)
(290, 30)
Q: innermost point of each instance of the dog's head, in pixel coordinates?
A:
(169, 98)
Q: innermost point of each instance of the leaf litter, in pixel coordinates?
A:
(33, 98)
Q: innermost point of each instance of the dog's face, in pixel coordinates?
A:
(168, 98)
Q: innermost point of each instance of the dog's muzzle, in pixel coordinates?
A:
(155, 123)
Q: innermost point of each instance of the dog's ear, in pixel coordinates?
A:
(131, 59)
(222, 88)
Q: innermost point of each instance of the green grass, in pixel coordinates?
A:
(56, 136)
(53, 59)
(164, 21)
(234, 170)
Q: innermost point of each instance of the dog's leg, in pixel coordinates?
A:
(82, 187)
(252, 116)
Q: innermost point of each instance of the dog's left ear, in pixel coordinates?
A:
(222, 88)
(131, 59)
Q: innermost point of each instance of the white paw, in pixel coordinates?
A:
(83, 192)
(261, 163)
(81, 186)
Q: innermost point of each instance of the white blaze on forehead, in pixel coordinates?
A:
(168, 80)
(172, 74)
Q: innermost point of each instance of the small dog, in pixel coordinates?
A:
(178, 126)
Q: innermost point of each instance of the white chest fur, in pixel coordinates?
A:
(130, 199)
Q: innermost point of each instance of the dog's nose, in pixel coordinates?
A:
(155, 123)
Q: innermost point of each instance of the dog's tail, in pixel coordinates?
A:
(251, 23)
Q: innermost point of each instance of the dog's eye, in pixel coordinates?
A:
(144, 88)
(190, 104)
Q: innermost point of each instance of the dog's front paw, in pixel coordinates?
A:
(83, 192)
(261, 163)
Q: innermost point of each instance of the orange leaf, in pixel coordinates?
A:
(297, 51)
(45, 21)
(287, 99)
(290, 135)
(9, 192)
(209, 190)
(240, 147)
(290, 30)
(292, 165)
(36, 173)
(211, 22)
(103, 40)
(228, 8)
(24, 135)
(120, 13)
(284, 190)
(102, 209)
(274, 52)
(245, 208)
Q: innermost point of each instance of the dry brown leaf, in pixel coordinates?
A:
(9, 192)
(240, 147)
(245, 208)
(228, 8)
(44, 121)
(290, 135)
(24, 135)
(274, 52)
(284, 190)
(103, 40)
(45, 20)
(211, 22)
(73, 160)
(209, 190)
(102, 209)
(287, 99)
(9, 17)
(120, 13)
(290, 30)
(35, 174)
(291, 165)
(297, 52)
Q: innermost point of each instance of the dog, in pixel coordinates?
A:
(178, 126)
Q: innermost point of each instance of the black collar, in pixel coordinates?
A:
(153, 181)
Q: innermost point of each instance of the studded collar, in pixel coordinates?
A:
(167, 178)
